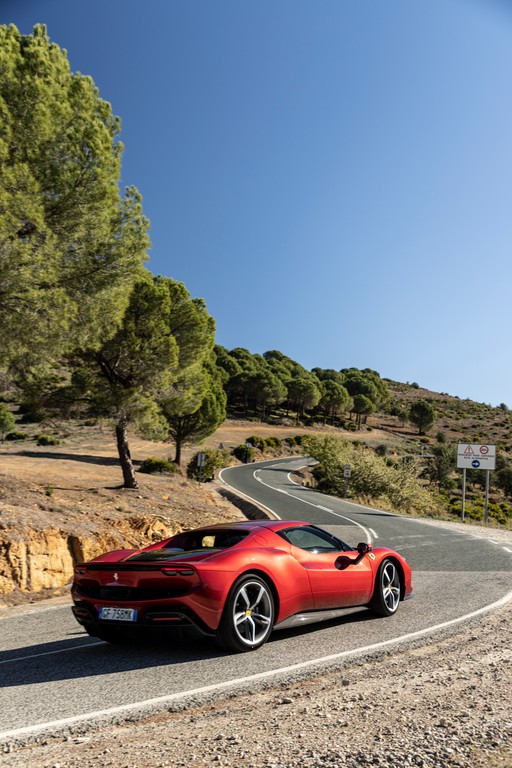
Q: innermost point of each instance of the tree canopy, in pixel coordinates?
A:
(195, 405)
(71, 245)
(423, 415)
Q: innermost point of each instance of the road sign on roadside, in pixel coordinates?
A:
(476, 456)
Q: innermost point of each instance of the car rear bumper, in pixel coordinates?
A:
(155, 619)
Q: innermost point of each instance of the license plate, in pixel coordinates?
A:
(118, 614)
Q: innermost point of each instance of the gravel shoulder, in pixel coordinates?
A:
(444, 704)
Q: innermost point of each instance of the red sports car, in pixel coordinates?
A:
(236, 582)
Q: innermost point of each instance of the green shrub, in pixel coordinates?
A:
(213, 459)
(46, 440)
(243, 454)
(256, 441)
(7, 420)
(151, 466)
(16, 436)
(273, 442)
(497, 513)
(372, 477)
(475, 510)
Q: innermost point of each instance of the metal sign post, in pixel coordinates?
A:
(200, 464)
(346, 475)
(486, 513)
(463, 493)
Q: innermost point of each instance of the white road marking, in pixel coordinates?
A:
(250, 498)
(325, 509)
(507, 550)
(165, 700)
(375, 535)
(51, 653)
(311, 504)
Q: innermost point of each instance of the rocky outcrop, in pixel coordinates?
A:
(41, 560)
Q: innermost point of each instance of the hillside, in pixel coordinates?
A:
(460, 420)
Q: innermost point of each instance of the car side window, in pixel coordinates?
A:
(313, 539)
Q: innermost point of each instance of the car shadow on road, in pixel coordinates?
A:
(82, 656)
(85, 656)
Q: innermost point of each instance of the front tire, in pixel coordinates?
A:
(386, 596)
(248, 615)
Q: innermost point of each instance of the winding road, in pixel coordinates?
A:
(53, 676)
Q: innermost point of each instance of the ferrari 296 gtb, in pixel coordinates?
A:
(236, 582)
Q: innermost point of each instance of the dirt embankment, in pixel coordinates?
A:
(64, 504)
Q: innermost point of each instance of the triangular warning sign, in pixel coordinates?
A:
(468, 451)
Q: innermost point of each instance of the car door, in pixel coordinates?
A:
(339, 577)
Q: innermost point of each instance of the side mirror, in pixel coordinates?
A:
(363, 548)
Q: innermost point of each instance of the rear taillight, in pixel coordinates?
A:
(178, 572)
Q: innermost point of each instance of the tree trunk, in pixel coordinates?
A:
(130, 481)
(177, 455)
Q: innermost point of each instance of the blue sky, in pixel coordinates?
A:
(333, 177)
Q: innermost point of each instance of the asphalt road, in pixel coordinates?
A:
(53, 675)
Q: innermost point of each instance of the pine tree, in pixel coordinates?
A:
(70, 245)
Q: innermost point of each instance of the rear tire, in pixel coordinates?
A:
(386, 595)
(248, 616)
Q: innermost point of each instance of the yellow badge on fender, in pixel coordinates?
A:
(371, 555)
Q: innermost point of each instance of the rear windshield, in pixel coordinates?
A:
(192, 543)
(200, 540)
